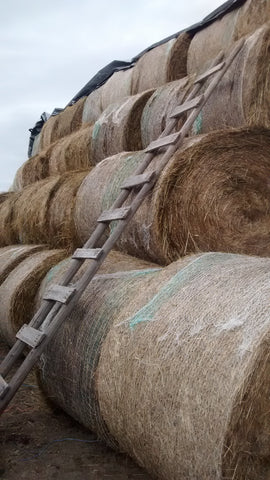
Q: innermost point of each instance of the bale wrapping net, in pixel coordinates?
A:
(156, 113)
(12, 255)
(243, 95)
(183, 382)
(212, 196)
(179, 382)
(92, 108)
(162, 64)
(70, 384)
(117, 87)
(118, 129)
(18, 291)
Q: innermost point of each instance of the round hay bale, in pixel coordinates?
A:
(34, 169)
(213, 196)
(118, 129)
(243, 95)
(58, 126)
(17, 292)
(92, 108)
(70, 120)
(12, 255)
(35, 146)
(210, 41)
(252, 15)
(30, 217)
(162, 64)
(160, 105)
(8, 234)
(87, 327)
(72, 152)
(60, 214)
(46, 137)
(182, 383)
(117, 87)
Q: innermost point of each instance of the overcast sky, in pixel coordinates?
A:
(50, 49)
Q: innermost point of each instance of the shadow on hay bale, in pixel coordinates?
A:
(12, 255)
(43, 211)
(18, 291)
(118, 128)
(162, 64)
(177, 381)
(63, 124)
(213, 196)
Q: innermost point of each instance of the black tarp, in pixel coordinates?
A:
(106, 72)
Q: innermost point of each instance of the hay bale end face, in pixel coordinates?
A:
(18, 291)
(72, 152)
(8, 234)
(12, 255)
(229, 211)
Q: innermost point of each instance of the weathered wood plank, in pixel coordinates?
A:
(87, 253)
(111, 215)
(163, 142)
(3, 387)
(59, 293)
(208, 73)
(31, 336)
(138, 180)
(194, 103)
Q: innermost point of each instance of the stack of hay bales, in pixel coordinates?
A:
(169, 364)
(178, 381)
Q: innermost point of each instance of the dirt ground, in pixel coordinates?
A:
(40, 442)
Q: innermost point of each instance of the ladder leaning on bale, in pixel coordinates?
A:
(59, 300)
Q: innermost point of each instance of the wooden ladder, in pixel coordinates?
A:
(59, 300)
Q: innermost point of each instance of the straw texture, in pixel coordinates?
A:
(242, 97)
(212, 196)
(162, 64)
(160, 105)
(18, 291)
(119, 129)
(117, 87)
(12, 255)
(92, 108)
(7, 233)
(182, 383)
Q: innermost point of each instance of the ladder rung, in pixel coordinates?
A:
(87, 253)
(4, 387)
(117, 214)
(194, 103)
(31, 336)
(137, 180)
(59, 293)
(163, 142)
(209, 72)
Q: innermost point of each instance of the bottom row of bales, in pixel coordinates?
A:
(170, 365)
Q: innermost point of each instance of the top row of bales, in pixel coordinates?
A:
(170, 61)
(130, 124)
